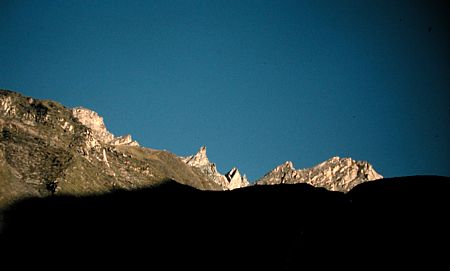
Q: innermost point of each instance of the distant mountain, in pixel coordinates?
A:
(47, 149)
(231, 180)
(335, 174)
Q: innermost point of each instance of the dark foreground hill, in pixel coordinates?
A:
(389, 223)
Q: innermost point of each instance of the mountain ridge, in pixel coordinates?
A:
(335, 174)
(47, 148)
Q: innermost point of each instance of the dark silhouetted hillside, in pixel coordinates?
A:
(389, 223)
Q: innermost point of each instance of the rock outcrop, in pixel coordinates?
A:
(231, 180)
(93, 121)
(335, 174)
(200, 160)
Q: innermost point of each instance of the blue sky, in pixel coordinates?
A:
(257, 82)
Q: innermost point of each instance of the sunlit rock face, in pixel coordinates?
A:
(235, 180)
(231, 180)
(335, 174)
(93, 121)
(200, 159)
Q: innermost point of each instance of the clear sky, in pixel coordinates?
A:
(257, 82)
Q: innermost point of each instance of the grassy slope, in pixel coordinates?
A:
(36, 150)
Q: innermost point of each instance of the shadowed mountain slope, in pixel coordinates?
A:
(395, 222)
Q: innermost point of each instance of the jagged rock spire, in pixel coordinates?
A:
(235, 180)
(200, 159)
(231, 180)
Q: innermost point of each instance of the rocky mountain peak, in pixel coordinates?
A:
(336, 174)
(95, 123)
(235, 180)
(231, 180)
(233, 172)
(286, 166)
(200, 159)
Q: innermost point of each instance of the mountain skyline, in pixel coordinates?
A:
(64, 177)
(47, 149)
(258, 83)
